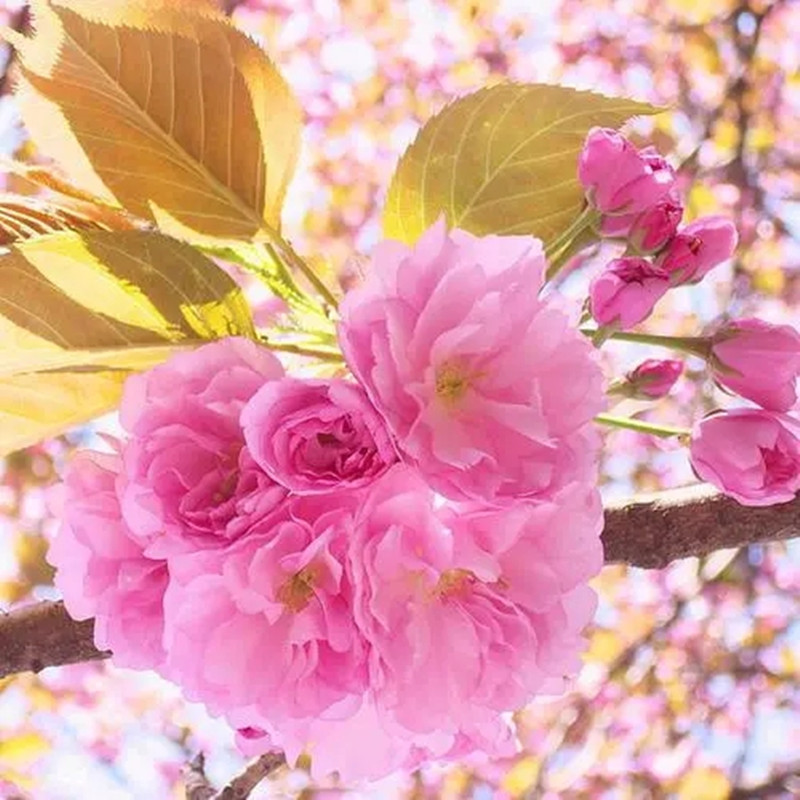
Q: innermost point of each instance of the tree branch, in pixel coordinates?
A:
(195, 781)
(785, 780)
(198, 787)
(649, 531)
(242, 785)
(43, 635)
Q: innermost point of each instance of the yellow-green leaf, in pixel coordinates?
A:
(25, 217)
(23, 748)
(79, 312)
(704, 783)
(502, 160)
(172, 113)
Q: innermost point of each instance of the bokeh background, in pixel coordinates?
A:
(691, 687)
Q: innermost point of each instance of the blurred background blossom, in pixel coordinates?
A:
(691, 687)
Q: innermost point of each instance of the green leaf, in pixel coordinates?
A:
(502, 160)
(80, 311)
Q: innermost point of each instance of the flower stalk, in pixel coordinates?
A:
(640, 426)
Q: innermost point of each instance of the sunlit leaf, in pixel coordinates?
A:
(699, 11)
(23, 748)
(704, 783)
(79, 312)
(25, 217)
(522, 776)
(47, 176)
(502, 160)
(173, 113)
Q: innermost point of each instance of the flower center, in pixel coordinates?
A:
(453, 581)
(451, 383)
(780, 467)
(298, 590)
(226, 488)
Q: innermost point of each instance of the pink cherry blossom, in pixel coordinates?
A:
(101, 570)
(749, 454)
(190, 481)
(653, 378)
(618, 178)
(698, 248)
(266, 622)
(465, 613)
(626, 291)
(759, 361)
(317, 435)
(485, 605)
(384, 746)
(487, 388)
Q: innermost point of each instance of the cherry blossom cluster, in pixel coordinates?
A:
(750, 453)
(635, 193)
(371, 569)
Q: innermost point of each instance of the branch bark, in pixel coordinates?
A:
(198, 787)
(649, 531)
(44, 635)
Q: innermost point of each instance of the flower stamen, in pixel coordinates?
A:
(296, 593)
(451, 383)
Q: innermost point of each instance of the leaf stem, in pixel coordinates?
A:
(300, 350)
(559, 250)
(695, 345)
(293, 259)
(664, 431)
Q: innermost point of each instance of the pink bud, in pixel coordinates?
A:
(626, 291)
(698, 248)
(654, 378)
(759, 361)
(618, 178)
(749, 454)
(649, 231)
(654, 227)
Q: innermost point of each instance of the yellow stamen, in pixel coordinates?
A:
(296, 593)
(453, 581)
(451, 383)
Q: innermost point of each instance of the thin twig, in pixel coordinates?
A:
(195, 780)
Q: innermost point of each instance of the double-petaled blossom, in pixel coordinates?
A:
(317, 435)
(697, 248)
(190, 482)
(487, 388)
(101, 569)
(619, 178)
(470, 602)
(368, 744)
(653, 378)
(266, 623)
(749, 454)
(369, 618)
(626, 291)
(758, 360)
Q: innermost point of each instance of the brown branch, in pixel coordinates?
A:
(787, 780)
(648, 531)
(42, 635)
(651, 531)
(195, 780)
(198, 787)
(242, 785)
